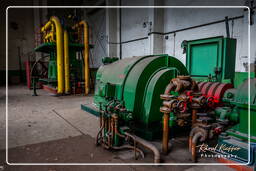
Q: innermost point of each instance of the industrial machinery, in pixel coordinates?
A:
(67, 47)
(140, 99)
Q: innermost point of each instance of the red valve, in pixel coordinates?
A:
(217, 130)
(210, 101)
(182, 106)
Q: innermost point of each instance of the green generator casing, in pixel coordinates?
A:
(137, 83)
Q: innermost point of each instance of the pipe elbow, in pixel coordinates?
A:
(55, 20)
(196, 137)
(169, 88)
(179, 86)
(46, 26)
(147, 145)
(83, 23)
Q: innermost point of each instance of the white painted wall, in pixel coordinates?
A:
(22, 37)
(174, 19)
(132, 21)
(132, 28)
(97, 26)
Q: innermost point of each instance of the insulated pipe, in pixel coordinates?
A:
(66, 62)
(84, 24)
(59, 46)
(147, 145)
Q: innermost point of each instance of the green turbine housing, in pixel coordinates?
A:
(137, 83)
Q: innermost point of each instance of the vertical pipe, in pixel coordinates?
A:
(193, 152)
(66, 62)
(194, 112)
(165, 142)
(190, 143)
(120, 29)
(59, 47)
(86, 57)
(227, 27)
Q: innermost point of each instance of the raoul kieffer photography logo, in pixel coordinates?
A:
(223, 148)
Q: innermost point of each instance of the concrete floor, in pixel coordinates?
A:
(45, 127)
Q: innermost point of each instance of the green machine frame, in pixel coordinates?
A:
(76, 65)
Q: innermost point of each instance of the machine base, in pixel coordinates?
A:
(90, 108)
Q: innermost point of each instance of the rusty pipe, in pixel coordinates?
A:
(191, 134)
(115, 118)
(130, 147)
(112, 130)
(169, 88)
(194, 116)
(194, 86)
(102, 125)
(165, 143)
(193, 145)
(147, 145)
(171, 104)
(178, 86)
(190, 143)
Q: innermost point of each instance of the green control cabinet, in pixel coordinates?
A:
(211, 59)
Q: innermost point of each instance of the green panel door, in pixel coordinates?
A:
(203, 59)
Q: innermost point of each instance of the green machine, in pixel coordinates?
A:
(127, 96)
(49, 48)
(130, 87)
(238, 135)
(75, 62)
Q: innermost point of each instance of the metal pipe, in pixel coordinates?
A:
(194, 117)
(115, 118)
(196, 26)
(120, 30)
(169, 88)
(59, 46)
(227, 27)
(66, 62)
(191, 134)
(193, 146)
(130, 147)
(84, 24)
(147, 145)
(165, 143)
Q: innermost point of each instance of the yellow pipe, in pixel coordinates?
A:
(66, 62)
(84, 24)
(59, 44)
(86, 56)
(54, 21)
(49, 36)
(46, 26)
